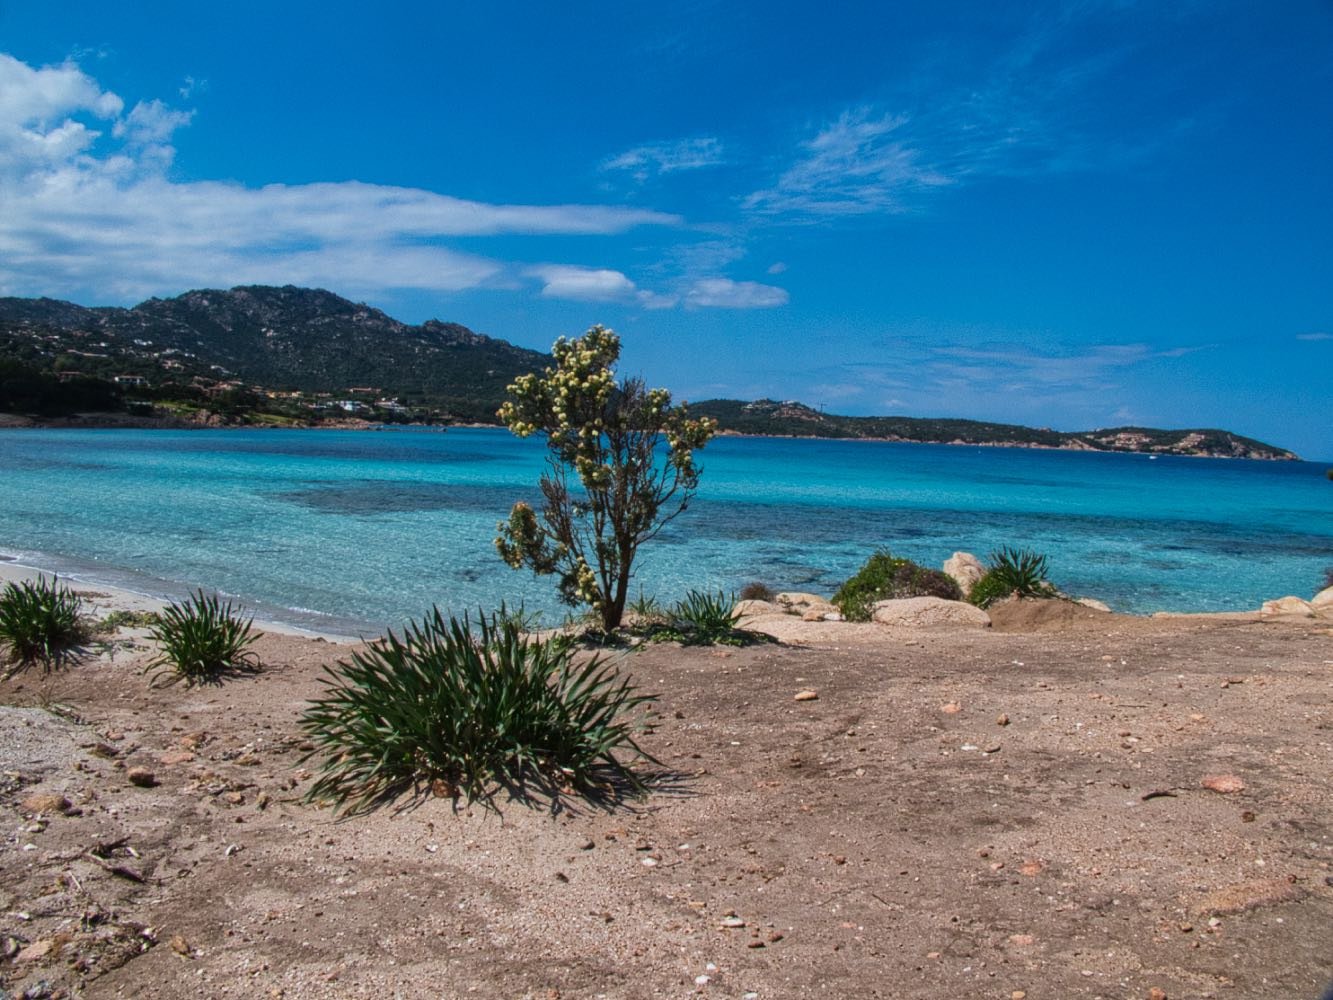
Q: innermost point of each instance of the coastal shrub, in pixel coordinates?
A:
(619, 466)
(757, 591)
(456, 706)
(1012, 572)
(201, 641)
(40, 621)
(886, 577)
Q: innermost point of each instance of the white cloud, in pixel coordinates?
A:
(583, 284)
(150, 122)
(854, 166)
(643, 162)
(86, 213)
(777, 267)
(1314, 336)
(723, 293)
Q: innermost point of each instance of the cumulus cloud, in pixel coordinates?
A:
(643, 162)
(723, 293)
(583, 284)
(91, 209)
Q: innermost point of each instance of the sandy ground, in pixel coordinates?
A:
(1020, 811)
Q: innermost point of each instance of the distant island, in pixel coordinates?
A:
(768, 417)
(297, 357)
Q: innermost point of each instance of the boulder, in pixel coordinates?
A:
(796, 603)
(919, 611)
(749, 609)
(965, 569)
(1288, 606)
(1323, 601)
(1092, 602)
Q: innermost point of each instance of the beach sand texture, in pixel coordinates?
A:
(1063, 807)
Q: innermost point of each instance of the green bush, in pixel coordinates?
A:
(201, 641)
(40, 621)
(1011, 572)
(886, 577)
(455, 707)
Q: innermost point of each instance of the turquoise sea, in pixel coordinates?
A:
(355, 531)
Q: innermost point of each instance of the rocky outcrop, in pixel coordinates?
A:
(811, 607)
(1323, 601)
(915, 612)
(965, 569)
(1288, 606)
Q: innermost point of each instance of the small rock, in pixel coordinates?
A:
(1156, 994)
(35, 951)
(732, 922)
(587, 844)
(176, 757)
(807, 695)
(1018, 995)
(756, 943)
(1031, 868)
(141, 776)
(46, 802)
(951, 708)
(180, 946)
(775, 936)
(1223, 784)
(1002, 719)
(233, 798)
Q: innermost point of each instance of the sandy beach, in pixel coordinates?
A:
(1066, 805)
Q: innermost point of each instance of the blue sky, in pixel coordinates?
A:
(1072, 215)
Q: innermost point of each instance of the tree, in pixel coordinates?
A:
(610, 485)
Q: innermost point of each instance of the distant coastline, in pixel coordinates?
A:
(260, 356)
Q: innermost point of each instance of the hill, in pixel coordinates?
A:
(260, 354)
(792, 419)
(268, 340)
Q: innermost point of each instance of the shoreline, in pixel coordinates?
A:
(11, 421)
(102, 598)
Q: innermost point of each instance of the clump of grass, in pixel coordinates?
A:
(757, 591)
(886, 577)
(462, 707)
(201, 641)
(40, 621)
(119, 619)
(647, 611)
(1012, 573)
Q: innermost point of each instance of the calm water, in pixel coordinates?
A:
(355, 531)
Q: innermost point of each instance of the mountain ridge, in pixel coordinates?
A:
(263, 353)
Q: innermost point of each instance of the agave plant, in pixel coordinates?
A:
(40, 621)
(703, 618)
(200, 641)
(460, 707)
(1012, 571)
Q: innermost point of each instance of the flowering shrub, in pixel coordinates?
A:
(609, 484)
